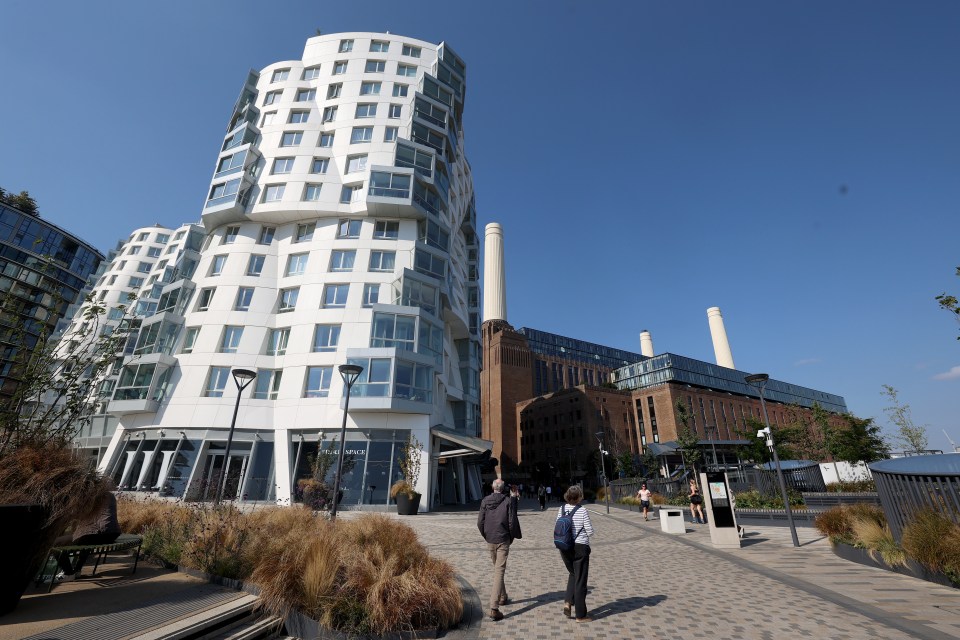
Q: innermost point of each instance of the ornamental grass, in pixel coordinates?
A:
(933, 540)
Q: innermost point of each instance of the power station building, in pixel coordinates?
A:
(339, 227)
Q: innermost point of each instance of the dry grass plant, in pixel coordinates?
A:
(878, 540)
(933, 540)
(835, 524)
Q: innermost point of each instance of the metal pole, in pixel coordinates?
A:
(713, 445)
(776, 461)
(343, 446)
(247, 377)
(603, 467)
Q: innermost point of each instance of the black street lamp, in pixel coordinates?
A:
(759, 380)
(242, 378)
(349, 373)
(603, 467)
(712, 429)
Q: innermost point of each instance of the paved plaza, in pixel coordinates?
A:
(647, 584)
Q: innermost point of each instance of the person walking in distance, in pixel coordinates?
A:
(696, 503)
(542, 497)
(576, 558)
(549, 493)
(644, 497)
(499, 526)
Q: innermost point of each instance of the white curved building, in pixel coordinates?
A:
(341, 227)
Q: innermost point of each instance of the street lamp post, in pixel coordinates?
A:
(349, 373)
(603, 467)
(570, 452)
(713, 446)
(242, 378)
(759, 380)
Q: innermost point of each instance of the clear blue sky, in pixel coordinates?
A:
(796, 164)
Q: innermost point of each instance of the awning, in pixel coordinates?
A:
(452, 444)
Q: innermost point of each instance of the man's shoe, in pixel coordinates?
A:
(567, 610)
(504, 601)
(585, 619)
(495, 615)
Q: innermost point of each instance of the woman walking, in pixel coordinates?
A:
(696, 504)
(577, 559)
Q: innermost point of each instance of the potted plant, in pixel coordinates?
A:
(315, 491)
(404, 489)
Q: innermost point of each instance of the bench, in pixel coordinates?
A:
(124, 542)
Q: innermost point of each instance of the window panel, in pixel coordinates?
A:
(317, 383)
(255, 265)
(311, 73)
(400, 90)
(370, 88)
(382, 260)
(274, 192)
(282, 165)
(306, 95)
(291, 139)
(299, 117)
(333, 90)
(386, 230)
(374, 66)
(320, 165)
(244, 296)
(341, 260)
(268, 384)
(288, 299)
(326, 337)
(349, 228)
(335, 295)
(371, 294)
(366, 110)
(216, 382)
(277, 342)
(311, 192)
(406, 70)
(297, 264)
(230, 341)
(361, 134)
(305, 232)
(266, 235)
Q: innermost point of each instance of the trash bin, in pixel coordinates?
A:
(671, 520)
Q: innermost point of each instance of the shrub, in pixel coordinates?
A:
(630, 500)
(835, 524)
(853, 486)
(602, 494)
(402, 486)
(877, 539)
(756, 500)
(933, 540)
(658, 499)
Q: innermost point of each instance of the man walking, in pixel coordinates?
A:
(499, 526)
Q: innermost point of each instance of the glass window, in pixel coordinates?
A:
(339, 67)
(329, 114)
(266, 235)
(400, 90)
(311, 73)
(135, 282)
(407, 70)
(317, 384)
(366, 110)
(299, 117)
(342, 260)
(204, 299)
(333, 90)
(349, 228)
(429, 264)
(382, 260)
(231, 339)
(225, 189)
(282, 165)
(190, 339)
(413, 52)
(269, 117)
(288, 299)
(297, 264)
(230, 234)
(231, 163)
(370, 89)
(420, 161)
(346, 46)
(386, 230)
(143, 267)
(244, 296)
(154, 252)
(350, 194)
(255, 265)
(277, 341)
(389, 134)
(274, 192)
(412, 382)
(361, 134)
(268, 384)
(291, 138)
(389, 185)
(134, 250)
(371, 294)
(374, 381)
(280, 75)
(306, 95)
(392, 330)
(271, 97)
(216, 382)
(320, 165)
(374, 66)
(356, 163)
(163, 238)
(431, 233)
(394, 111)
(379, 46)
(311, 192)
(305, 232)
(326, 337)
(216, 267)
(326, 140)
(335, 295)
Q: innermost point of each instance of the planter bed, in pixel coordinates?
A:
(912, 568)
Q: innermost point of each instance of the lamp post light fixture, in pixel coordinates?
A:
(759, 380)
(242, 378)
(603, 467)
(349, 373)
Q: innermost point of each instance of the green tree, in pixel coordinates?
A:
(21, 201)
(950, 303)
(624, 464)
(912, 436)
(858, 440)
(650, 464)
(687, 439)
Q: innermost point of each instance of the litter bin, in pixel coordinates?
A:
(671, 520)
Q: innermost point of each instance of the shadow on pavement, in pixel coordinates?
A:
(624, 605)
(747, 542)
(536, 601)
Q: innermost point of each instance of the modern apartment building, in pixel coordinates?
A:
(340, 227)
(43, 271)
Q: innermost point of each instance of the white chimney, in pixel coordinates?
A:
(494, 281)
(646, 344)
(721, 346)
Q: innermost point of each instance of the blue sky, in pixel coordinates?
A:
(795, 164)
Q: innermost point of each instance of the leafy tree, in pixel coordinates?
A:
(624, 464)
(950, 303)
(858, 440)
(21, 201)
(687, 439)
(911, 435)
(650, 464)
(805, 435)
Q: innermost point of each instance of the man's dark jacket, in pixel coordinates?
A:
(498, 521)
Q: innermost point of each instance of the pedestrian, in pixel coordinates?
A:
(499, 526)
(696, 503)
(549, 493)
(644, 497)
(542, 497)
(577, 559)
(521, 490)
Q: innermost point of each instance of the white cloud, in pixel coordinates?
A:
(953, 374)
(806, 361)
